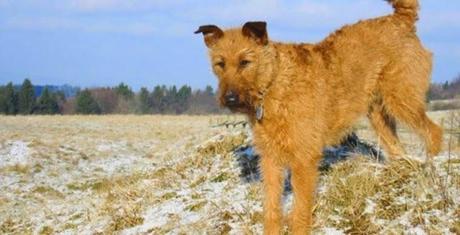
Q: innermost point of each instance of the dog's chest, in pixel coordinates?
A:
(272, 137)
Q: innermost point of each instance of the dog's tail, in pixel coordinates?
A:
(406, 9)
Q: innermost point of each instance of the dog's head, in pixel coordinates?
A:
(242, 59)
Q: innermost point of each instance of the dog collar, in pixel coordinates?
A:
(259, 112)
(261, 95)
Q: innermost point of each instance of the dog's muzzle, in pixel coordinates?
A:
(231, 99)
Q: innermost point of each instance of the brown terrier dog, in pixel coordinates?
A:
(302, 97)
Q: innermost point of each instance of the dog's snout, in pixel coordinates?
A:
(231, 98)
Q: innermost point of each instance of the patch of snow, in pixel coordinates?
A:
(401, 200)
(112, 164)
(370, 207)
(157, 216)
(104, 147)
(404, 219)
(416, 231)
(111, 146)
(332, 231)
(190, 218)
(18, 154)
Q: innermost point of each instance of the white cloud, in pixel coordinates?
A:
(229, 11)
(118, 5)
(58, 23)
(179, 16)
(299, 14)
(94, 5)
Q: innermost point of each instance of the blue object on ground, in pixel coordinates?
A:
(248, 159)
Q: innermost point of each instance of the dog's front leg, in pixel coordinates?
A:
(303, 180)
(272, 174)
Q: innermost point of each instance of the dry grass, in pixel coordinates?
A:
(169, 174)
(363, 197)
(444, 104)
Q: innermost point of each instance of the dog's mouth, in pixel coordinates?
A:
(236, 107)
(234, 100)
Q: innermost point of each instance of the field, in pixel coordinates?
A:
(178, 175)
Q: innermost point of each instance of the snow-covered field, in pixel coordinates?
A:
(178, 175)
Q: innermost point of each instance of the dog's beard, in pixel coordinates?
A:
(240, 107)
(244, 105)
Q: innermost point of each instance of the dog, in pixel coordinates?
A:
(300, 97)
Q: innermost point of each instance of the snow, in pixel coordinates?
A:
(114, 164)
(17, 153)
(370, 207)
(416, 231)
(332, 231)
(82, 209)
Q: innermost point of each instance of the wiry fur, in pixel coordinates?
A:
(313, 94)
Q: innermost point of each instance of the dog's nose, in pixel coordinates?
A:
(231, 98)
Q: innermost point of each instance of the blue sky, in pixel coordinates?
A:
(148, 42)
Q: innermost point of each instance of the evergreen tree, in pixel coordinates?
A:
(47, 103)
(86, 104)
(60, 96)
(124, 91)
(445, 86)
(157, 99)
(183, 99)
(3, 100)
(26, 98)
(11, 99)
(171, 100)
(144, 106)
(209, 90)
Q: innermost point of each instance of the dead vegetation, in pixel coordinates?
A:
(363, 197)
(178, 175)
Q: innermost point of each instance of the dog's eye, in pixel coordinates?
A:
(244, 63)
(220, 64)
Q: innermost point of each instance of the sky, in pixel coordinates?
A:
(92, 43)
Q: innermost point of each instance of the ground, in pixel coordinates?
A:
(177, 175)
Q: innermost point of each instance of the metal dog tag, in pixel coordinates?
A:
(259, 112)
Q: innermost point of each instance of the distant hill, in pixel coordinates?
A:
(69, 91)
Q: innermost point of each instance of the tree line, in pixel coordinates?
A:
(120, 99)
(24, 101)
(446, 90)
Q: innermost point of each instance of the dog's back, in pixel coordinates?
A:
(377, 42)
(380, 61)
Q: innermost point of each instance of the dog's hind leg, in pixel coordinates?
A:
(403, 88)
(416, 119)
(385, 128)
(272, 174)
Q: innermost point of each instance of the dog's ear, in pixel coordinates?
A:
(211, 34)
(256, 30)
